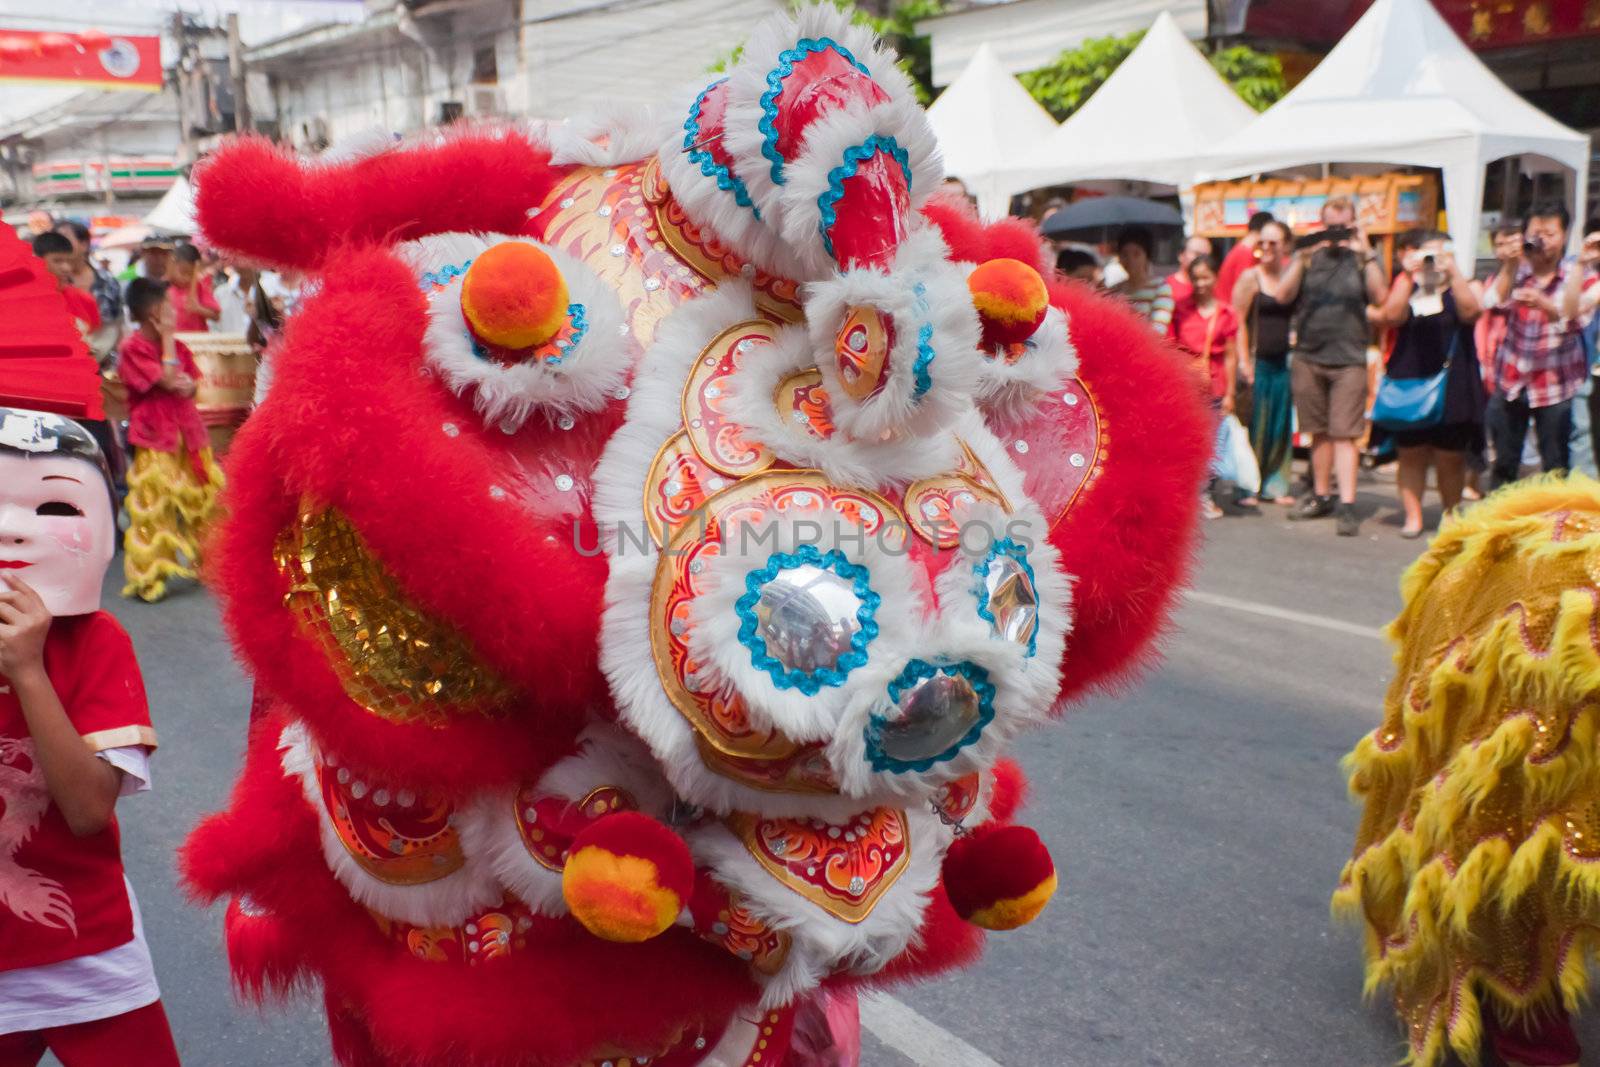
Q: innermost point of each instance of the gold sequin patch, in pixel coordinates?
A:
(390, 658)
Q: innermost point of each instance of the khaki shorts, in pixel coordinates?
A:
(1329, 401)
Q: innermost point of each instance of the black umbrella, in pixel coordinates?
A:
(1105, 212)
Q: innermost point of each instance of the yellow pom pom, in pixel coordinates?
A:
(1013, 912)
(618, 897)
(514, 295)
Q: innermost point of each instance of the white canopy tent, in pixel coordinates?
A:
(174, 212)
(984, 121)
(1154, 120)
(1402, 89)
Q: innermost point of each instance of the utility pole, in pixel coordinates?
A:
(236, 74)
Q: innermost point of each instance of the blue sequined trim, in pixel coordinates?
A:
(577, 315)
(769, 99)
(727, 181)
(916, 671)
(808, 682)
(854, 156)
(446, 274)
(1005, 546)
(919, 367)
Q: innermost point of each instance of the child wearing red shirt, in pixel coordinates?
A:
(75, 973)
(194, 302)
(174, 482)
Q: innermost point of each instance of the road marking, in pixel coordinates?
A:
(1268, 611)
(924, 1043)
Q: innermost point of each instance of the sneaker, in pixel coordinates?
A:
(1209, 508)
(1349, 525)
(1311, 506)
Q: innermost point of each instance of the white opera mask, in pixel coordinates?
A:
(57, 531)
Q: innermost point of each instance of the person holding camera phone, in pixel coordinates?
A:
(1335, 274)
(1432, 309)
(1540, 365)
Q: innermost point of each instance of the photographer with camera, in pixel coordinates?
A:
(1540, 365)
(1432, 309)
(1336, 275)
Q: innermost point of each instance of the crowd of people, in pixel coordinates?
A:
(161, 464)
(1423, 364)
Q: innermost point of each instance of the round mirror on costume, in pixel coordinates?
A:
(57, 529)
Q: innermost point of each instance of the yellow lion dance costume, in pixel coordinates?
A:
(1475, 868)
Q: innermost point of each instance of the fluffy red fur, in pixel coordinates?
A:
(994, 863)
(566, 995)
(1129, 540)
(1007, 792)
(350, 381)
(299, 212)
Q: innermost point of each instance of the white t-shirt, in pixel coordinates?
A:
(87, 988)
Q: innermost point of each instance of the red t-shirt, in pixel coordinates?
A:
(62, 896)
(1178, 282)
(187, 319)
(1190, 328)
(1240, 258)
(81, 306)
(156, 418)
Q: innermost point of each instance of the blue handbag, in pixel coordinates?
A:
(1412, 403)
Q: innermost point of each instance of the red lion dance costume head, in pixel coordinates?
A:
(650, 541)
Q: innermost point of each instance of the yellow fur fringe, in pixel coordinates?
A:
(1476, 871)
(169, 510)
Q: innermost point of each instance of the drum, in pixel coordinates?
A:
(227, 383)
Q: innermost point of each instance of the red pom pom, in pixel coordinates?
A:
(627, 877)
(1011, 299)
(999, 877)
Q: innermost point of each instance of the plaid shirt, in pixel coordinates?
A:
(1540, 356)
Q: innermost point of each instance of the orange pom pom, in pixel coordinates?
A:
(1011, 300)
(627, 877)
(999, 877)
(514, 295)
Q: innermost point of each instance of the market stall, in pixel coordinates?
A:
(1401, 89)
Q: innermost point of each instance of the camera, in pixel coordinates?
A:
(1531, 248)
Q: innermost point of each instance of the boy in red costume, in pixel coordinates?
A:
(75, 974)
(173, 485)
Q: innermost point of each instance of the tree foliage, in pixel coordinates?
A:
(1066, 83)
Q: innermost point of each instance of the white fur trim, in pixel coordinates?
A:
(584, 381)
(608, 137)
(715, 621)
(719, 211)
(654, 414)
(747, 82)
(845, 461)
(943, 303)
(488, 826)
(1008, 392)
(959, 589)
(822, 943)
(828, 137)
(446, 902)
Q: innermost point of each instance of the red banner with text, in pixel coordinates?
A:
(88, 58)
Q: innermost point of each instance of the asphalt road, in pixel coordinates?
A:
(1199, 822)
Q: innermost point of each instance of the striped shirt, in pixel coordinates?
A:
(1152, 301)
